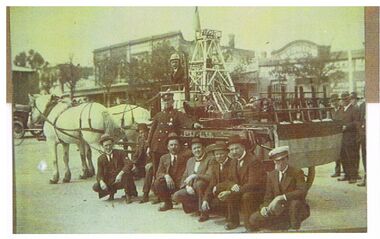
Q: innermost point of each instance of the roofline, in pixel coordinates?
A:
(140, 40)
(294, 42)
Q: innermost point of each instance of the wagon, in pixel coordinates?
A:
(20, 122)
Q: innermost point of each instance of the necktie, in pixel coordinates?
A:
(174, 160)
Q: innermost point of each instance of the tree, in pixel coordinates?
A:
(33, 59)
(108, 71)
(69, 74)
(160, 66)
(320, 69)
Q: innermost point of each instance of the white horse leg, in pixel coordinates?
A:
(55, 177)
(89, 160)
(66, 150)
(82, 151)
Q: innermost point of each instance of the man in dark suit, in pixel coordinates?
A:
(248, 176)
(362, 137)
(218, 172)
(284, 202)
(170, 171)
(140, 157)
(194, 180)
(164, 122)
(114, 172)
(336, 113)
(349, 151)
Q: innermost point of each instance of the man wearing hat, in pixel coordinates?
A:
(170, 170)
(194, 180)
(248, 176)
(336, 114)
(139, 157)
(218, 172)
(164, 122)
(178, 75)
(284, 202)
(349, 150)
(114, 171)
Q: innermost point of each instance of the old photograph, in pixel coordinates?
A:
(188, 119)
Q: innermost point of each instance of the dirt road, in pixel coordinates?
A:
(74, 208)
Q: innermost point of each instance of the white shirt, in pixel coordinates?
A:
(172, 158)
(109, 156)
(240, 159)
(196, 166)
(281, 173)
(222, 164)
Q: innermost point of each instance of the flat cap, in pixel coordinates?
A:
(279, 153)
(354, 95)
(105, 137)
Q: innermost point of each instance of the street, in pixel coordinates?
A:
(73, 207)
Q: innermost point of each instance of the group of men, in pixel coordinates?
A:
(221, 178)
(353, 117)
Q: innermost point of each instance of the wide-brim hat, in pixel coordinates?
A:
(236, 139)
(105, 137)
(279, 153)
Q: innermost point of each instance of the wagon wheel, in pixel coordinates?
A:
(18, 129)
(309, 176)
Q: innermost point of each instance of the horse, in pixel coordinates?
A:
(127, 117)
(66, 124)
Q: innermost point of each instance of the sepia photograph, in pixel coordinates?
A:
(191, 119)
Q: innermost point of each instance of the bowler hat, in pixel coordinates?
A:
(345, 95)
(236, 139)
(196, 140)
(105, 137)
(279, 153)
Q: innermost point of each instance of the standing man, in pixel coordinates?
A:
(248, 176)
(169, 173)
(114, 172)
(194, 180)
(164, 122)
(349, 151)
(178, 74)
(284, 203)
(140, 157)
(362, 135)
(336, 114)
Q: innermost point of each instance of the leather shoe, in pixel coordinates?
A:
(128, 199)
(156, 201)
(335, 175)
(111, 197)
(351, 181)
(144, 199)
(166, 207)
(230, 226)
(343, 179)
(204, 217)
(362, 184)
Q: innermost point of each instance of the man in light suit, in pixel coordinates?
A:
(284, 202)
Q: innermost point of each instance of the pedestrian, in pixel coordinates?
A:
(336, 114)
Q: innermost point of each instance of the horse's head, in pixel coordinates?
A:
(41, 105)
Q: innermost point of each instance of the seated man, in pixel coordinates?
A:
(195, 180)
(169, 172)
(284, 202)
(248, 176)
(218, 173)
(114, 172)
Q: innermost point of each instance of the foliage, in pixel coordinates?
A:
(33, 60)
(69, 74)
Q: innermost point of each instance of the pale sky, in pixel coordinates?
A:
(58, 32)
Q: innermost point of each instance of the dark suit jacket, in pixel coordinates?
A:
(140, 152)
(350, 118)
(251, 176)
(178, 77)
(218, 177)
(362, 123)
(107, 171)
(202, 170)
(293, 185)
(164, 123)
(177, 170)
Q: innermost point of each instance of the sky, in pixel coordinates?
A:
(60, 32)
